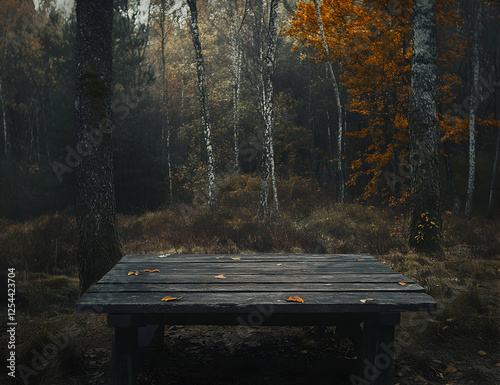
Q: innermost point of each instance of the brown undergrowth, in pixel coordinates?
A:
(458, 344)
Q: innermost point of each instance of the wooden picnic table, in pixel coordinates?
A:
(357, 293)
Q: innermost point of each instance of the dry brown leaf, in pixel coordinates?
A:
(152, 270)
(221, 276)
(328, 284)
(167, 298)
(133, 273)
(497, 364)
(402, 283)
(482, 353)
(364, 300)
(294, 298)
(445, 327)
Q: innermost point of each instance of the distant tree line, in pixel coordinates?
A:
(315, 89)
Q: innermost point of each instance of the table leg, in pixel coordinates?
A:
(376, 364)
(124, 356)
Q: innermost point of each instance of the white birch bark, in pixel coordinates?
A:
(4, 121)
(236, 56)
(267, 94)
(425, 216)
(165, 129)
(336, 89)
(205, 117)
(472, 110)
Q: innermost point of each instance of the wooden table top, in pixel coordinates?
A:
(336, 283)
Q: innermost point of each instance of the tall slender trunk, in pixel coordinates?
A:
(425, 212)
(44, 128)
(472, 111)
(205, 118)
(336, 89)
(451, 181)
(267, 98)
(4, 121)
(99, 247)
(236, 55)
(497, 152)
(165, 129)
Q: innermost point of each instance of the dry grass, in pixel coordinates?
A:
(465, 281)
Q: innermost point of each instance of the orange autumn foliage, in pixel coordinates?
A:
(371, 44)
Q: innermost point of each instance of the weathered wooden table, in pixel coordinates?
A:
(357, 293)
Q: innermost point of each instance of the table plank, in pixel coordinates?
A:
(245, 257)
(172, 277)
(237, 303)
(253, 287)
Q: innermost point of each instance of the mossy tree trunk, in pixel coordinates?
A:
(99, 248)
(425, 213)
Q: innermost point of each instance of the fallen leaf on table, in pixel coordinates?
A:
(235, 258)
(222, 276)
(163, 255)
(152, 270)
(133, 273)
(361, 259)
(167, 298)
(364, 300)
(402, 283)
(328, 284)
(482, 353)
(294, 298)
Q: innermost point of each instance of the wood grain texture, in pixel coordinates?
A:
(326, 283)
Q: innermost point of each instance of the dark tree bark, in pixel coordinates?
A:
(99, 248)
(340, 126)
(472, 111)
(205, 118)
(425, 213)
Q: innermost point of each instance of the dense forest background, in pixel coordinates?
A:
(156, 113)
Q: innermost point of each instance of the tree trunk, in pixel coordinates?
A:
(99, 248)
(472, 111)
(425, 212)
(267, 98)
(165, 129)
(497, 152)
(451, 181)
(336, 89)
(236, 69)
(4, 121)
(205, 118)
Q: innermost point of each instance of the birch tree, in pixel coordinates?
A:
(205, 118)
(236, 59)
(165, 120)
(425, 215)
(99, 247)
(336, 89)
(473, 106)
(268, 41)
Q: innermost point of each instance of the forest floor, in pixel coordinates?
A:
(458, 344)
